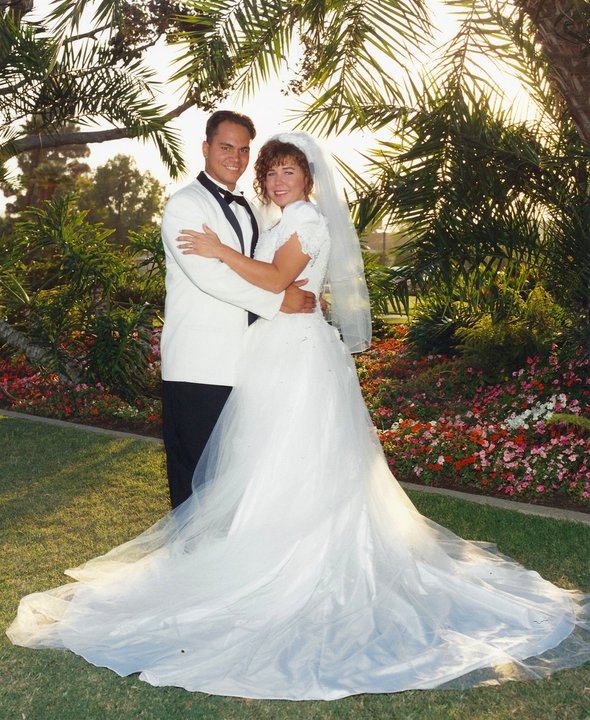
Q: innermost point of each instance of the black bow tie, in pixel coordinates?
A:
(230, 197)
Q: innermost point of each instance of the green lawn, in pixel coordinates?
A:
(67, 495)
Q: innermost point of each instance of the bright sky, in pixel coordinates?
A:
(270, 110)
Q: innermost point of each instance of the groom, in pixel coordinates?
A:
(208, 307)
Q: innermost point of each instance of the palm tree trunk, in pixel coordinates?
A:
(563, 30)
(18, 8)
(34, 353)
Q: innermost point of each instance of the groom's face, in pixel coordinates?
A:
(228, 153)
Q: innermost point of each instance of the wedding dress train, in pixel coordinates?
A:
(299, 569)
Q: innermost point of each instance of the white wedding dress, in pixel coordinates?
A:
(299, 569)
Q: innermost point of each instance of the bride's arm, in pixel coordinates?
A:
(286, 266)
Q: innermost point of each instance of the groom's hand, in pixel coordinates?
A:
(297, 300)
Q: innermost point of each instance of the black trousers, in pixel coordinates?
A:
(189, 414)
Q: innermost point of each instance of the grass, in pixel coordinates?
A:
(67, 495)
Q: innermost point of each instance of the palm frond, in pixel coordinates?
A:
(346, 50)
(66, 15)
(85, 258)
(26, 57)
(85, 84)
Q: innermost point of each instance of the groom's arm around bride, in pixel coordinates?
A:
(207, 305)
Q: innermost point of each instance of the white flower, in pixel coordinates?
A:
(539, 411)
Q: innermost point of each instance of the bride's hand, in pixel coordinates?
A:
(206, 244)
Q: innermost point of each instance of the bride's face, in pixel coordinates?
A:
(285, 183)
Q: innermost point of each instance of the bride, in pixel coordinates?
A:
(298, 568)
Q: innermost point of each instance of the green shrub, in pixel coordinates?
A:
(434, 326)
(504, 340)
(86, 309)
(492, 346)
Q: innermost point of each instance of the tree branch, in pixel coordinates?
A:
(90, 34)
(17, 7)
(146, 46)
(35, 142)
(180, 109)
(34, 353)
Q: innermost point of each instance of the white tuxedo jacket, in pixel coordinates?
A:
(206, 302)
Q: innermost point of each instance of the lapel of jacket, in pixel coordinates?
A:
(254, 230)
(231, 218)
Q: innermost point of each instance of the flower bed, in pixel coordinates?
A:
(441, 425)
(24, 389)
(439, 422)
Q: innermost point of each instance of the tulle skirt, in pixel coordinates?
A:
(299, 569)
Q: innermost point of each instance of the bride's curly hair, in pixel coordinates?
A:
(273, 153)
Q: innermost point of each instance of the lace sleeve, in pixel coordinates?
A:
(303, 219)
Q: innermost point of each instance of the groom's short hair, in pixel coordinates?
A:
(228, 115)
